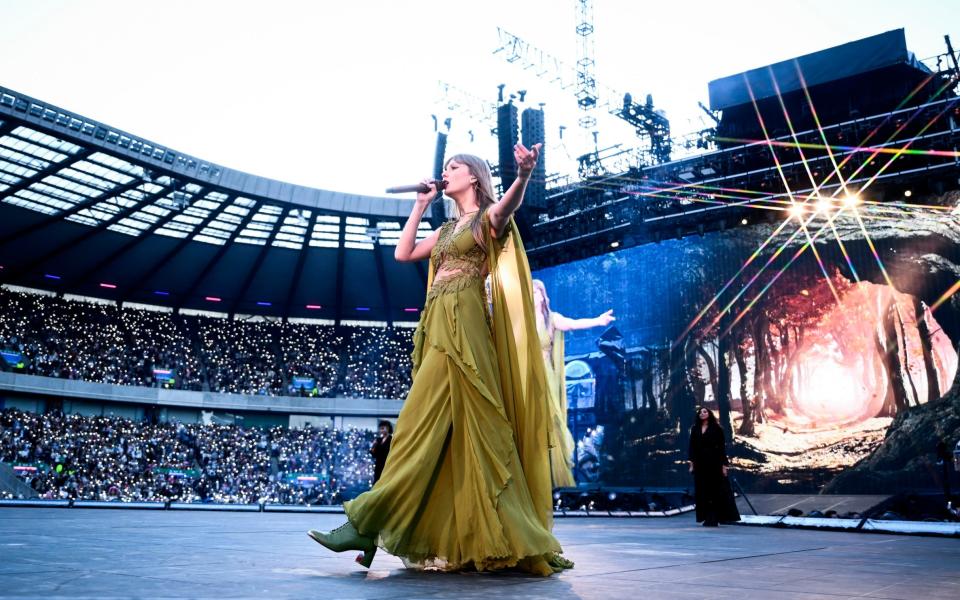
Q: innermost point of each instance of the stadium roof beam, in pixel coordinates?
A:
(341, 259)
(252, 272)
(92, 231)
(52, 168)
(298, 269)
(129, 244)
(216, 258)
(382, 278)
(146, 275)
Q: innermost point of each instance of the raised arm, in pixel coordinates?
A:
(501, 212)
(408, 248)
(566, 324)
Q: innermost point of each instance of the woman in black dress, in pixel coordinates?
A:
(381, 448)
(708, 463)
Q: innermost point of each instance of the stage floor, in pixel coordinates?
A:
(186, 554)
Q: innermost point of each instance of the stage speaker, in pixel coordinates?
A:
(508, 134)
(532, 127)
(437, 213)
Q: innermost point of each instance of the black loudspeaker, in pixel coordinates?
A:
(437, 214)
(508, 134)
(533, 133)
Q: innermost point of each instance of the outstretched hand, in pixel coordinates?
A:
(526, 159)
(606, 318)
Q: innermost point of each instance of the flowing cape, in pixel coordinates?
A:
(563, 443)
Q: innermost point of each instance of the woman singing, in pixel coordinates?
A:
(550, 328)
(467, 481)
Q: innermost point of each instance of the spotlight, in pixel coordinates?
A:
(908, 193)
(824, 204)
(614, 244)
(797, 210)
(851, 199)
(744, 222)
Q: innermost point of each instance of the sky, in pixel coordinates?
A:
(339, 95)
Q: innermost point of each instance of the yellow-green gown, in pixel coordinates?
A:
(561, 452)
(467, 481)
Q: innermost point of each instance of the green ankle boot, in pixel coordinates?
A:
(558, 562)
(346, 537)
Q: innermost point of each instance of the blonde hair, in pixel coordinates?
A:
(544, 310)
(484, 189)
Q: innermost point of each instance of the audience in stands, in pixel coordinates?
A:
(99, 342)
(116, 459)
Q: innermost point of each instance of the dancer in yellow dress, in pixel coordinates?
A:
(467, 481)
(550, 328)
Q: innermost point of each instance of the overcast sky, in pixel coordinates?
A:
(338, 95)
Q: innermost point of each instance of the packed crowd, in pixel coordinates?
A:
(97, 342)
(377, 362)
(94, 342)
(115, 459)
(240, 357)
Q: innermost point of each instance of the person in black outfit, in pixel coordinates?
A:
(708, 463)
(381, 448)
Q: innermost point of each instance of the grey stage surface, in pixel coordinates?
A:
(172, 554)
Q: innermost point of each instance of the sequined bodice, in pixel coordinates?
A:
(459, 261)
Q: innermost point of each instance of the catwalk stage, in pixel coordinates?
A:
(84, 553)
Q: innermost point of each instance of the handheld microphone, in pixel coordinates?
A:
(420, 188)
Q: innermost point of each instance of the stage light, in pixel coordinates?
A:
(851, 199)
(260, 303)
(614, 244)
(797, 210)
(314, 307)
(109, 286)
(212, 299)
(49, 276)
(908, 193)
(824, 204)
(411, 310)
(744, 222)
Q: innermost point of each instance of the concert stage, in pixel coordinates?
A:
(49, 552)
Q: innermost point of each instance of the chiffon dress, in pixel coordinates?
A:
(561, 452)
(455, 493)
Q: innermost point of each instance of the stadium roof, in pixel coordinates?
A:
(91, 210)
(832, 64)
